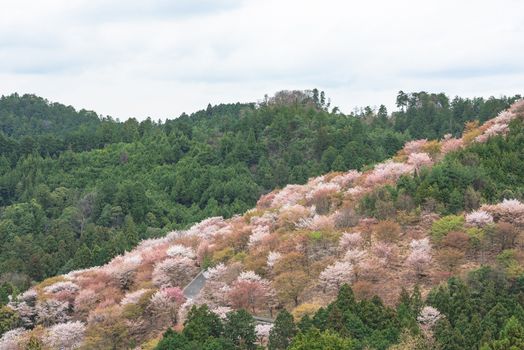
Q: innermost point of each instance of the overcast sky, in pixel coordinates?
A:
(159, 58)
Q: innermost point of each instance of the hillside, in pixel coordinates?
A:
(77, 190)
(398, 230)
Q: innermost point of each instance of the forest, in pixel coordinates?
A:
(76, 188)
(357, 231)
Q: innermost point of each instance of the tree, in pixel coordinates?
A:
(511, 337)
(8, 319)
(239, 328)
(334, 276)
(283, 331)
(172, 340)
(201, 324)
(316, 340)
(448, 337)
(252, 292)
(420, 256)
(65, 336)
(289, 285)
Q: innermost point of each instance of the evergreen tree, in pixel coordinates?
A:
(283, 331)
(239, 328)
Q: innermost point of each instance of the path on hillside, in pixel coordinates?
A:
(195, 286)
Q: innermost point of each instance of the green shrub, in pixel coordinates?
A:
(443, 226)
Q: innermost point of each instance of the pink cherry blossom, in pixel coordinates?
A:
(272, 258)
(350, 240)
(10, 340)
(429, 316)
(133, 297)
(180, 250)
(335, 275)
(174, 272)
(66, 336)
(479, 218)
(419, 160)
(346, 179)
(414, 146)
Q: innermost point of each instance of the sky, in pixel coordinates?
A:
(159, 58)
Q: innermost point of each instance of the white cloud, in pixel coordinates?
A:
(160, 58)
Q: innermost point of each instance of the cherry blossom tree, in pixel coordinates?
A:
(52, 311)
(479, 218)
(428, 317)
(336, 275)
(346, 179)
(221, 311)
(174, 272)
(215, 272)
(164, 305)
(316, 223)
(320, 196)
(415, 146)
(250, 291)
(207, 228)
(258, 234)
(388, 171)
(358, 190)
(216, 289)
(323, 189)
(420, 255)
(510, 210)
(350, 240)
(61, 286)
(123, 270)
(66, 336)
(203, 250)
(419, 160)
(10, 340)
(25, 306)
(289, 195)
(180, 250)
(384, 251)
(272, 258)
(355, 255)
(450, 144)
(133, 297)
(85, 301)
(262, 332)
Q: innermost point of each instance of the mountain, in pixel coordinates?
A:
(77, 189)
(424, 250)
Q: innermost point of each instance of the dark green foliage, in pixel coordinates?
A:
(426, 115)
(475, 312)
(205, 330)
(317, 340)
(172, 341)
(8, 319)
(483, 172)
(367, 323)
(282, 332)
(202, 324)
(239, 328)
(511, 337)
(475, 316)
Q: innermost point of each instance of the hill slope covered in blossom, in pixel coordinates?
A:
(422, 251)
(77, 189)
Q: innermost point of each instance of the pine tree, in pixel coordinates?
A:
(202, 324)
(282, 332)
(239, 328)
